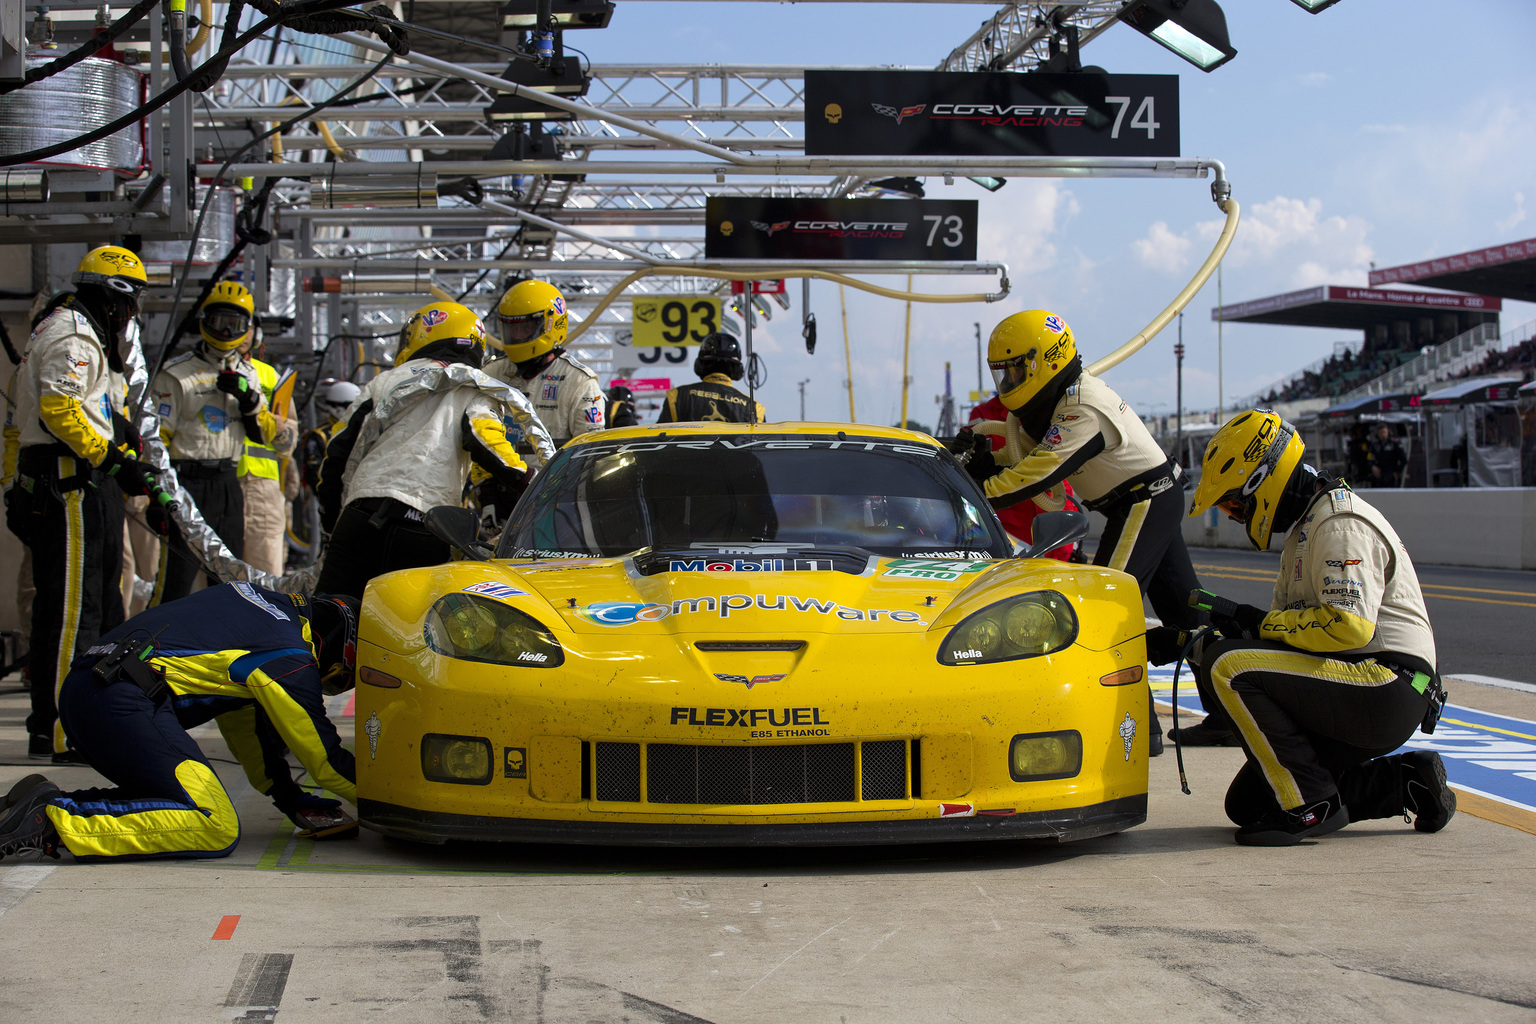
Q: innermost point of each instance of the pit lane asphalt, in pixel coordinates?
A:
(1169, 920)
(1483, 618)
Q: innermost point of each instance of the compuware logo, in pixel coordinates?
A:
(624, 613)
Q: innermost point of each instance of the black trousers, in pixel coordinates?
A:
(374, 536)
(76, 537)
(221, 502)
(1314, 727)
(1143, 538)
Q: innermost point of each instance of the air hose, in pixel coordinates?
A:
(732, 275)
(177, 11)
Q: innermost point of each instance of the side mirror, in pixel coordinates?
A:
(1051, 530)
(457, 527)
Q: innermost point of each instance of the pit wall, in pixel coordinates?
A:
(1488, 527)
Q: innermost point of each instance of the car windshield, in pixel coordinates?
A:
(721, 491)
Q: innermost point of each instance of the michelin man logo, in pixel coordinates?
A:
(1128, 733)
(373, 727)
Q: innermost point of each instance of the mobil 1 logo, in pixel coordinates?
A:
(990, 113)
(750, 227)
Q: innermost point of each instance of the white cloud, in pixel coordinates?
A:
(1037, 210)
(1508, 223)
(1313, 79)
(1162, 249)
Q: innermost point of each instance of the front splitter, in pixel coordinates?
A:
(1061, 826)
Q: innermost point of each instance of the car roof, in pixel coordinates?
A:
(805, 429)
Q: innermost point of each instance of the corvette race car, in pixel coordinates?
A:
(720, 634)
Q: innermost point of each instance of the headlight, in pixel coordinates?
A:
(1026, 626)
(1045, 755)
(462, 759)
(478, 629)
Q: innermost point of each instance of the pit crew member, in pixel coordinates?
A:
(1340, 671)
(562, 388)
(713, 397)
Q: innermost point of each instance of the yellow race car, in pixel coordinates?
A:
(720, 634)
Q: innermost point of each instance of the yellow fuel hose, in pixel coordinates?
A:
(1130, 348)
(734, 275)
(205, 17)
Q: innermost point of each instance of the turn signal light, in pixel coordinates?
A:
(373, 677)
(1124, 677)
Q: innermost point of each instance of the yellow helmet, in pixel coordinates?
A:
(1246, 468)
(226, 315)
(114, 268)
(443, 330)
(1027, 351)
(533, 320)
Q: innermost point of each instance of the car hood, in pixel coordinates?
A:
(892, 595)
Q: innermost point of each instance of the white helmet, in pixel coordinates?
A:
(340, 395)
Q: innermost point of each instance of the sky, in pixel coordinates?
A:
(1377, 132)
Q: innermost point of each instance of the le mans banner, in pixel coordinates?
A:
(990, 113)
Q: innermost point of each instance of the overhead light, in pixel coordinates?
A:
(1194, 29)
(1313, 6)
(507, 107)
(897, 188)
(524, 14)
(990, 184)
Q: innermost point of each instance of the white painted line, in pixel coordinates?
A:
(1504, 684)
(17, 883)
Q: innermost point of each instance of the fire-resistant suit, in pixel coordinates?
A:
(204, 432)
(69, 422)
(407, 448)
(261, 484)
(235, 653)
(565, 396)
(712, 398)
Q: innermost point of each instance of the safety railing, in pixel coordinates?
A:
(1443, 362)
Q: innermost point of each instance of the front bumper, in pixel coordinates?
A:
(1060, 826)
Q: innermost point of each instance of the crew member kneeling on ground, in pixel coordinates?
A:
(1340, 671)
(407, 448)
(713, 399)
(255, 660)
(1085, 432)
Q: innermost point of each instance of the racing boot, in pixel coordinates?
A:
(25, 825)
(1287, 828)
(1204, 734)
(1425, 791)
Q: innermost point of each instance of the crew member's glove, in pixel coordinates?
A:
(237, 384)
(1165, 644)
(981, 464)
(1243, 623)
(131, 440)
(132, 476)
(316, 817)
(159, 513)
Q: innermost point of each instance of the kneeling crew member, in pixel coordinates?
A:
(210, 402)
(713, 398)
(562, 389)
(407, 449)
(1084, 432)
(255, 660)
(1340, 671)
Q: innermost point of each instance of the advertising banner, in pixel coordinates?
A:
(990, 113)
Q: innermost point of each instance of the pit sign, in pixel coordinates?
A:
(673, 319)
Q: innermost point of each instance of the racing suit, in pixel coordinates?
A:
(233, 653)
(711, 399)
(564, 394)
(408, 445)
(1092, 439)
(69, 413)
(1018, 519)
(205, 433)
(1342, 672)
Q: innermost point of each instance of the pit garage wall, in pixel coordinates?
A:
(1490, 527)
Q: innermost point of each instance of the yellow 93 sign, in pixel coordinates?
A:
(674, 319)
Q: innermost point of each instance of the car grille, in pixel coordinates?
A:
(810, 773)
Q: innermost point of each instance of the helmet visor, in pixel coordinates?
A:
(1237, 506)
(1010, 373)
(226, 323)
(518, 329)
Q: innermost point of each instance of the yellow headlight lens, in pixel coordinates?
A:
(461, 759)
(476, 628)
(1049, 755)
(1025, 626)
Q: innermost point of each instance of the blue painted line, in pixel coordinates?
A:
(1487, 754)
